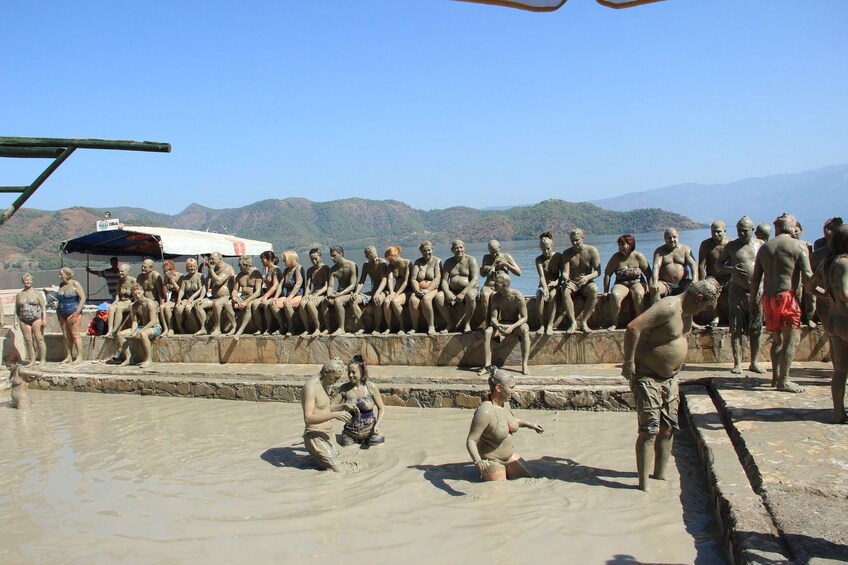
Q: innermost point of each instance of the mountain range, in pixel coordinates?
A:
(811, 196)
(31, 238)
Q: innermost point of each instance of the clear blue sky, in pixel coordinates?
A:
(432, 102)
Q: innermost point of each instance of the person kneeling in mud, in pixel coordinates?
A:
(363, 427)
(490, 437)
(318, 415)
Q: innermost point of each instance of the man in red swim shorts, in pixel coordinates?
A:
(776, 266)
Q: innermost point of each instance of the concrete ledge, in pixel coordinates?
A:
(750, 535)
(442, 350)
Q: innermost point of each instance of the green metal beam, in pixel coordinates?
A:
(31, 152)
(13, 188)
(85, 144)
(30, 190)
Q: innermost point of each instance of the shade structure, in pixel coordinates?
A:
(551, 5)
(155, 242)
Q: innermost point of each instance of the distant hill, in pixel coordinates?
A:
(812, 196)
(31, 238)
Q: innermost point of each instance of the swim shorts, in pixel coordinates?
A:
(740, 318)
(657, 400)
(781, 310)
(321, 447)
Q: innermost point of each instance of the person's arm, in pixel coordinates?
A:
(152, 314)
(43, 303)
(390, 285)
(360, 284)
(693, 267)
(655, 272)
(323, 289)
(486, 268)
(482, 419)
(722, 264)
(608, 272)
(522, 317)
(436, 285)
(510, 264)
(643, 265)
(81, 296)
(543, 281)
(756, 278)
(445, 283)
(404, 279)
(474, 276)
(596, 268)
(351, 280)
(311, 418)
(703, 255)
(378, 404)
(160, 289)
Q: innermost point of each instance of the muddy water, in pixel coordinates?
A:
(90, 478)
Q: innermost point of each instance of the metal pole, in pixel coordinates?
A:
(16, 205)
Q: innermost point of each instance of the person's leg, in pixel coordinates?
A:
(397, 311)
(76, 343)
(429, 312)
(839, 358)
(444, 309)
(26, 329)
(662, 450)
(469, 306)
(487, 350)
(791, 336)
(775, 355)
(200, 314)
(736, 347)
(616, 298)
(289, 307)
(590, 293)
(568, 306)
(524, 335)
(637, 295)
(38, 338)
(550, 312)
(516, 468)
(495, 472)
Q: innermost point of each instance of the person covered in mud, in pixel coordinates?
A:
(171, 280)
(364, 425)
(490, 438)
(708, 253)
(289, 293)
(190, 293)
(655, 346)
(628, 266)
(425, 280)
(20, 397)
(508, 317)
(315, 288)
(581, 265)
(221, 277)
(763, 232)
(263, 317)
(71, 298)
(832, 276)
(247, 287)
(745, 316)
(671, 261)
(549, 267)
(781, 265)
(375, 269)
(319, 413)
(31, 312)
(495, 261)
(123, 300)
(397, 288)
(145, 327)
(460, 278)
(341, 290)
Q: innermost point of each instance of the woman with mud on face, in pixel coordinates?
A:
(628, 266)
(31, 311)
(363, 428)
(262, 316)
(289, 291)
(171, 278)
(397, 288)
(71, 300)
(490, 437)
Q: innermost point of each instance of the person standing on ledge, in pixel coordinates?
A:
(708, 253)
(655, 346)
(745, 316)
(318, 415)
(777, 267)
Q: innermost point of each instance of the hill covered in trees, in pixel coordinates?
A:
(30, 240)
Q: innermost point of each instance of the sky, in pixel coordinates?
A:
(435, 103)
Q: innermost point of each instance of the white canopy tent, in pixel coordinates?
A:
(159, 243)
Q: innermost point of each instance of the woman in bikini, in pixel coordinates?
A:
(628, 266)
(424, 279)
(490, 437)
(363, 428)
(31, 310)
(263, 317)
(290, 291)
(71, 300)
